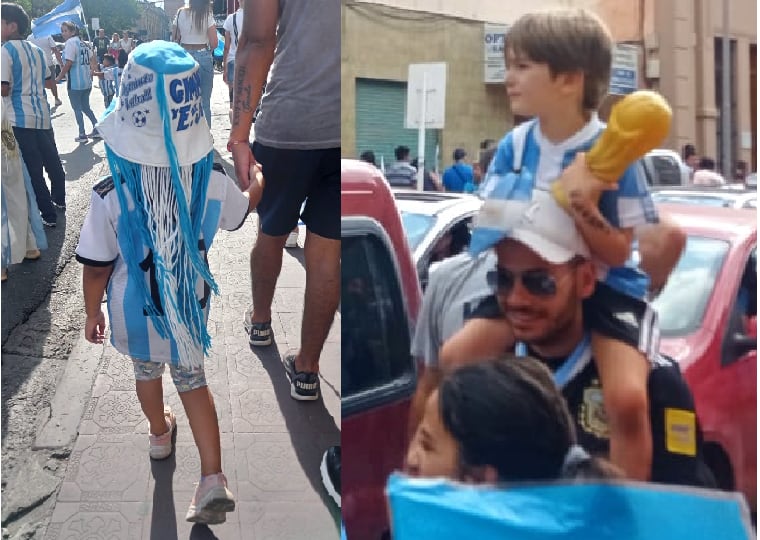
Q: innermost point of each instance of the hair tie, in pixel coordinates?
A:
(575, 455)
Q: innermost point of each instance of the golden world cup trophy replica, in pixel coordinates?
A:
(638, 123)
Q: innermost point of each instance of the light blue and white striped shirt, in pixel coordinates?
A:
(132, 332)
(542, 162)
(24, 68)
(80, 75)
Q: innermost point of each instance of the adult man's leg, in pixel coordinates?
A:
(321, 215)
(321, 298)
(30, 152)
(266, 263)
(52, 162)
(287, 183)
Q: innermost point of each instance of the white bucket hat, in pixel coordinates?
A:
(160, 78)
(158, 147)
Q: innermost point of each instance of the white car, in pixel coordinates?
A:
(664, 167)
(437, 225)
(707, 196)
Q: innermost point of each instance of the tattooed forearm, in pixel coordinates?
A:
(242, 96)
(587, 215)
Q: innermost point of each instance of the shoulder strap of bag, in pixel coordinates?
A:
(234, 27)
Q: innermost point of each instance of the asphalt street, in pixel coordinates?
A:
(74, 442)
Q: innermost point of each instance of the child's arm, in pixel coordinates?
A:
(623, 374)
(256, 188)
(608, 244)
(94, 281)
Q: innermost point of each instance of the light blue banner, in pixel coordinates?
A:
(436, 509)
(50, 23)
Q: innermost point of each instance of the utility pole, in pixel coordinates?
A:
(725, 116)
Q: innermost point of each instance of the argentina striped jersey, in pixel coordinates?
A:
(542, 162)
(80, 76)
(132, 332)
(24, 69)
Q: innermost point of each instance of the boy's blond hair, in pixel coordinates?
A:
(568, 41)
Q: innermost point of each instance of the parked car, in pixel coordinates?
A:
(708, 323)
(437, 225)
(380, 298)
(664, 167)
(704, 196)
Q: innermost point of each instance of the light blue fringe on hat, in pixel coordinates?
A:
(164, 222)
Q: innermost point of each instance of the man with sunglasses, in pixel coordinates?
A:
(542, 275)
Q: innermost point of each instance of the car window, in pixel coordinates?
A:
(375, 340)
(681, 304)
(750, 203)
(744, 306)
(416, 227)
(666, 171)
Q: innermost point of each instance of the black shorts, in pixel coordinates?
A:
(623, 318)
(295, 176)
(677, 456)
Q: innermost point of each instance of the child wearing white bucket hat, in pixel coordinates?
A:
(145, 239)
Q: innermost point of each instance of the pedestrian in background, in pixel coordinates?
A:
(101, 45)
(108, 75)
(126, 43)
(401, 173)
(114, 46)
(233, 25)
(194, 28)
(22, 234)
(79, 63)
(153, 262)
(430, 179)
(368, 156)
(459, 176)
(25, 75)
(49, 47)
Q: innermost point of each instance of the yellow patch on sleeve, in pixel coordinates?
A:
(680, 432)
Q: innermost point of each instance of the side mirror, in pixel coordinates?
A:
(741, 344)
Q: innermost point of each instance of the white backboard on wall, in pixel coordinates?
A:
(433, 77)
(493, 48)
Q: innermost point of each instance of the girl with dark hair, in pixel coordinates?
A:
(195, 30)
(497, 421)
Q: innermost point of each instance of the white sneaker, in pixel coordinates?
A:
(292, 241)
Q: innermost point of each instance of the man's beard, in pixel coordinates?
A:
(557, 330)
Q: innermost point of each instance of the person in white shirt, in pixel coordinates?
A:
(195, 30)
(47, 44)
(232, 27)
(126, 42)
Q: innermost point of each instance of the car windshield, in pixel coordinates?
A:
(706, 200)
(416, 227)
(681, 304)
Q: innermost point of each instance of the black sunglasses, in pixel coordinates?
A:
(537, 282)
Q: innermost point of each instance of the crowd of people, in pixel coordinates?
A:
(583, 391)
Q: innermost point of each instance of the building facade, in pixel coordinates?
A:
(672, 46)
(153, 23)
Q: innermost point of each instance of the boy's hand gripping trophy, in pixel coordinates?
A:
(638, 123)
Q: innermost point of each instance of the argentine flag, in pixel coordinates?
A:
(50, 23)
(437, 509)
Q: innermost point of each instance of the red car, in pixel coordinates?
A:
(708, 323)
(380, 298)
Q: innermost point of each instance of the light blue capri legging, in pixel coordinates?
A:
(206, 62)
